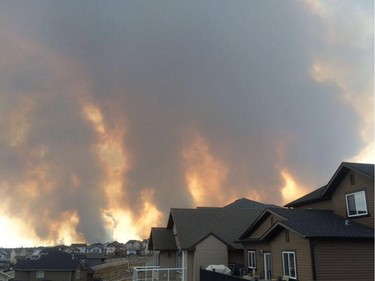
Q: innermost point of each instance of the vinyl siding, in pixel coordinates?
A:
(345, 187)
(190, 266)
(296, 244)
(257, 247)
(210, 251)
(264, 226)
(344, 260)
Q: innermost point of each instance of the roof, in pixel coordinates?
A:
(53, 261)
(325, 192)
(227, 223)
(162, 238)
(314, 224)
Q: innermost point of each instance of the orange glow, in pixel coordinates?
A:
(150, 215)
(205, 175)
(291, 189)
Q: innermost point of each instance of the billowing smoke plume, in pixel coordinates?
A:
(113, 112)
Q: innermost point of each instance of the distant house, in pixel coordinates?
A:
(325, 235)
(18, 255)
(55, 265)
(196, 238)
(4, 258)
(133, 247)
(79, 248)
(97, 248)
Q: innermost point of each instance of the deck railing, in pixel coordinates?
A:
(155, 273)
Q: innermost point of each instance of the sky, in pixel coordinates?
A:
(113, 112)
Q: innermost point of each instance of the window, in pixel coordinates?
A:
(289, 265)
(78, 274)
(251, 259)
(356, 204)
(40, 274)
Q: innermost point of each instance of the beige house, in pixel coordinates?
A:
(325, 235)
(196, 238)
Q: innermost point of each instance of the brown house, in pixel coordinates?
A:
(197, 238)
(326, 235)
(54, 266)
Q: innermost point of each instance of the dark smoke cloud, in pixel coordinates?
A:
(236, 72)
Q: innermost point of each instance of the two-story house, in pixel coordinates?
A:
(196, 238)
(54, 265)
(325, 235)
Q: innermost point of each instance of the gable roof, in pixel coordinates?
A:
(322, 224)
(53, 261)
(325, 192)
(312, 224)
(227, 223)
(161, 238)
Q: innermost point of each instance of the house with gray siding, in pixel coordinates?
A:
(325, 235)
(196, 238)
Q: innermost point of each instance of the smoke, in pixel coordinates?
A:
(112, 113)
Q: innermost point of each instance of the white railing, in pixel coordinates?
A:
(155, 273)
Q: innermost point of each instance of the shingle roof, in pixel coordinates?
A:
(60, 261)
(311, 197)
(162, 238)
(312, 223)
(326, 191)
(226, 223)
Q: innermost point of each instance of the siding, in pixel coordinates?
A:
(210, 251)
(257, 247)
(297, 244)
(344, 260)
(361, 183)
(264, 226)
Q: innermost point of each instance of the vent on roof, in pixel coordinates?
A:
(347, 222)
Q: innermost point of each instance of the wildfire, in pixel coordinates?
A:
(205, 175)
(291, 189)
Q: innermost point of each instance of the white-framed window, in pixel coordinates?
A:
(356, 204)
(289, 264)
(40, 274)
(78, 274)
(251, 259)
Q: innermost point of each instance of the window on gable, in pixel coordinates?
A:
(289, 265)
(40, 274)
(251, 259)
(78, 274)
(356, 204)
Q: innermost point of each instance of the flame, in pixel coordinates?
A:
(205, 175)
(291, 189)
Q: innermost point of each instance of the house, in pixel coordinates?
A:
(196, 238)
(18, 255)
(79, 248)
(55, 265)
(325, 235)
(96, 248)
(4, 258)
(133, 247)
